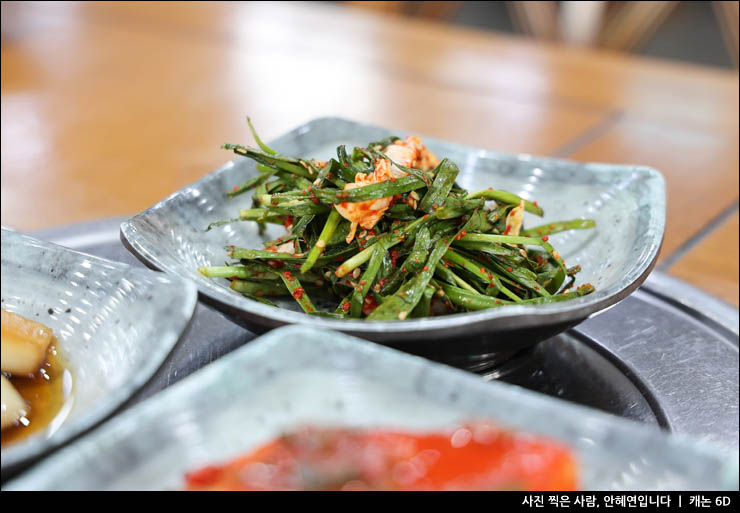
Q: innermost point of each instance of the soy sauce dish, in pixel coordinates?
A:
(96, 330)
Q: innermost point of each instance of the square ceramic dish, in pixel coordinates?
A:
(114, 324)
(296, 376)
(627, 203)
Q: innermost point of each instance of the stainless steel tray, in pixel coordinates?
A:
(666, 356)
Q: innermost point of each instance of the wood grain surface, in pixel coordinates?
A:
(109, 107)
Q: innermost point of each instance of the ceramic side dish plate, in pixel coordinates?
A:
(114, 325)
(627, 203)
(296, 376)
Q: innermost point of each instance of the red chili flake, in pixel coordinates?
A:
(371, 233)
(309, 309)
(482, 270)
(395, 231)
(404, 269)
(536, 287)
(309, 188)
(545, 238)
(363, 282)
(426, 268)
(490, 276)
(498, 301)
(447, 304)
(287, 275)
(393, 179)
(359, 289)
(510, 269)
(345, 164)
(298, 293)
(535, 204)
(315, 200)
(236, 188)
(382, 282)
(275, 264)
(508, 229)
(490, 188)
(288, 221)
(394, 257)
(426, 215)
(270, 162)
(369, 305)
(345, 306)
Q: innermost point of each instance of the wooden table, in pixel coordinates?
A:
(109, 107)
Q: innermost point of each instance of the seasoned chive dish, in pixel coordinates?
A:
(384, 232)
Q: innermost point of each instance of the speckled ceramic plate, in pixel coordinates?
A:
(296, 376)
(114, 325)
(627, 202)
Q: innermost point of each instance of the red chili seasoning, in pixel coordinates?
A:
(510, 269)
(394, 257)
(345, 306)
(298, 293)
(545, 238)
(236, 188)
(426, 268)
(369, 305)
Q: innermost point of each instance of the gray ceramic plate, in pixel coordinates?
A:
(296, 376)
(627, 202)
(114, 324)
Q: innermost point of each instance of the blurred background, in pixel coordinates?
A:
(698, 32)
(109, 107)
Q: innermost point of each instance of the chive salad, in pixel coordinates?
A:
(386, 233)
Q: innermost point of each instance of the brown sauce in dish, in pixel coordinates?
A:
(47, 392)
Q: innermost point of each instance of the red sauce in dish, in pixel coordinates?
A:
(474, 457)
